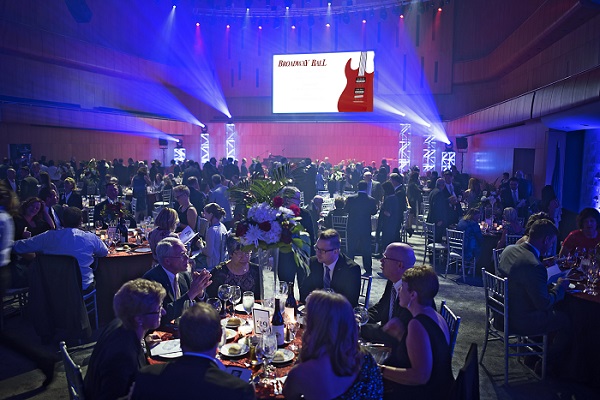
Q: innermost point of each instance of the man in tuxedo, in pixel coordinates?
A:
(373, 187)
(198, 374)
(70, 197)
(451, 193)
(514, 197)
(330, 269)
(397, 258)
(50, 198)
(531, 302)
(172, 273)
(360, 207)
(112, 192)
(438, 210)
(11, 180)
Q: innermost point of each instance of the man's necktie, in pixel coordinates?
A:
(515, 197)
(176, 291)
(393, 302)
(327, 279)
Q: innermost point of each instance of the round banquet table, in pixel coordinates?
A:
(581, 360)
(111, 273)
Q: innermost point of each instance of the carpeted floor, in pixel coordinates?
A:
(19, 379)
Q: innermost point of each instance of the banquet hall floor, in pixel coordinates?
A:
(19, 379)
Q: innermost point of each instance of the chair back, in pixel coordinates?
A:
(496, 256)
(340, 224)
(429, 228)
(512, 239)
(56, 295)
(73, 373)
(496, 296)
(455, 240)
(166, 196)
(365, 290)
(133, 206)
(466, 386)
(453, 323)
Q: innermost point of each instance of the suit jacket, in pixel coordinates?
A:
(174, 308)
(400, 192)
(190, 377)
(508, 201)
(345, 279)
(389, 225)
(454, 211)
(437, 207)
(530, 301)
(376, 191)
(74, 200)
(9, 186)
(360, 207)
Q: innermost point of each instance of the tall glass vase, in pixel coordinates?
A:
(267, 261)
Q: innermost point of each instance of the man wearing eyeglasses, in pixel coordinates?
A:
(330, 269)
(397, 258)
(174, 276)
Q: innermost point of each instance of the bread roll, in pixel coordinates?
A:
(234, 322)
(235, 349)
(279, 356)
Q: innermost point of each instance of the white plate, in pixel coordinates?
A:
(225, 323)
(571, 286)
(240, 307)
(120, 249)
(230, 333)
(225, 350)
(288, 355)
(172, 355)
(142, 250)
(167, 348)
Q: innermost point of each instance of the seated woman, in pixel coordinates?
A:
(238, 271)
(586, 237)
(216, 236)
(165, 223)
(118, 354)
(472, 196)
(188, 215)
(424, 363)
(473, 236)
(33, 219)
(331, 359)
(510, 226)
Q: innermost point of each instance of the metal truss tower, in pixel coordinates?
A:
(404, 147)
(448, 159)
(230, 140)
(204, 148)
(429, 153)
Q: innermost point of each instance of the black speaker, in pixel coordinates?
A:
(163, 143)
(79, 10)
(462, 143)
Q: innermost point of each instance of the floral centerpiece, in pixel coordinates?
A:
(114, 211)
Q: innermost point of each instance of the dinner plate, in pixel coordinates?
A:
(230, 333)
(288, 355)
(225, 323)
(167, 349)
(120, 249)
(225, 350)
(240, 307)
(172, 355)
(143, 250)
(571, 286)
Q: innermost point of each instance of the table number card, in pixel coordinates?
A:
(261, 320)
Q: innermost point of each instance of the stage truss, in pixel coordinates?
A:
(429, 153)
(404, 147)
(204, 148)
(230, 140)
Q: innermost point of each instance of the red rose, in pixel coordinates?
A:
(286, 236)
(241, 230)
(295, 209)
(277, 202)
(265, 226)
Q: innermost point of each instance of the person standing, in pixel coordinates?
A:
(360, 207)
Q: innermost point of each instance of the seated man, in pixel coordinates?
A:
(70, 241)
(108, 209)
(397, 258)
(70, 197)
(531, 302)
(338, 211)
(330, 269)
(198, 374)
(173, 273)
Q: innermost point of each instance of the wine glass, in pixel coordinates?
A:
(592, 277)
(266, 348)
(215, 303)
(236, 295)
(293, 327)
(98, 224)
(248, 302)
(362, 316)
(127, 223)
(224, 294)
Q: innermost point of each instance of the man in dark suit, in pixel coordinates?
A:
(174, 260)
(198, 374)
(55, 211)
(514, 197)
(400, 191)
(438, 210)
(531, 302)
(70, 197)
(397, 258)
(374, 188)
(330, 269)
(112, 192)
(11, 180)
(451, 193)
(197, 197)
(360, 207)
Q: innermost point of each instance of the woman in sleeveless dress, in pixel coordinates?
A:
(424, 363)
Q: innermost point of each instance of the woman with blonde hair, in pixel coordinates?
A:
(118, 354)
(165, 223)
(510, 226)
(331, 359)
(424, 363)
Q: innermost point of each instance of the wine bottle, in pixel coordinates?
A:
(290, 304)
(277, 324)
(122, 231)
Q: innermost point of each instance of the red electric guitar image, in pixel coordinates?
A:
(358, 94)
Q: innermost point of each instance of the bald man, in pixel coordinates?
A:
(397, 258)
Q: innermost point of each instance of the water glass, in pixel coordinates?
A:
(224, 294)
(248, 301)
(236, 295)
(265, 350)
(215, 303)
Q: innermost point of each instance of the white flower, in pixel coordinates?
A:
(252, 236)
(483, 198)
